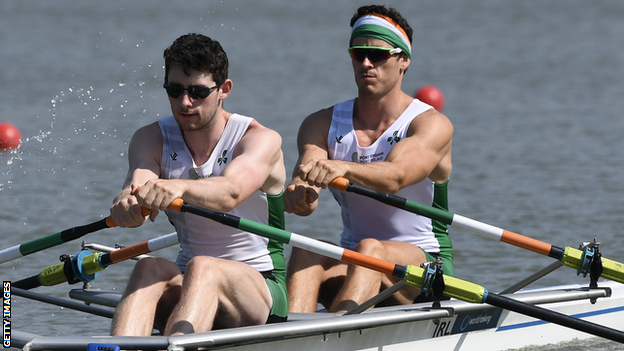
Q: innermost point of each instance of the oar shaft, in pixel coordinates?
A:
(555, 317)
(139, 249)
(91, 264)
(286, 237)
(411, 275)
(343, 184)
(570, 257)
(52, 240)
(494, 233)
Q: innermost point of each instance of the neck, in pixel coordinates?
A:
(374, 112)
(202, 142)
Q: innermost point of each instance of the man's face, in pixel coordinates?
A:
(377, 78)
(193, 113)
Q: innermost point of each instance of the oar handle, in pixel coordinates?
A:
(340, 183)
(176, 205)
(111, 223)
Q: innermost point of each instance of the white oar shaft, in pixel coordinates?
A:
(10, 253)
(162, 242)
(316, 246)
(482, 229)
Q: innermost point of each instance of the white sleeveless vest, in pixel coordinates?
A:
(202, 236)
(363, 217)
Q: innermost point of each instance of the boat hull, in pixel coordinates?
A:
(455, 326)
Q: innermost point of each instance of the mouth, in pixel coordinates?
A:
(366, 75)
(367, 78)
(186, 114)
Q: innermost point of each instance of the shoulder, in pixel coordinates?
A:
(146, 145)
(323, 115)
(147, 133)
(257, 132)
(317, 123)
(431, 121)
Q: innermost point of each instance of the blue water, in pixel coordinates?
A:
(533, 88)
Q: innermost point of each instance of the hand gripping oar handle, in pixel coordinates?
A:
(411, 275)
(85, 265)
(569, 256)
(55, 239)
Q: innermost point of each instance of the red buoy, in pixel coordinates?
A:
(9, 136)
(431, 95)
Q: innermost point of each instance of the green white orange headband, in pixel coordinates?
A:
(384, 28)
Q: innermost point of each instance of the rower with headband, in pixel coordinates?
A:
(383, 139)
(384, 28)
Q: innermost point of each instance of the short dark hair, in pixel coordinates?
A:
(388, 12)
(198, 52)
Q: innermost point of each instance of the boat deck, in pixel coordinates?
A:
(456, 325)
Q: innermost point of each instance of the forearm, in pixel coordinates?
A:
(215, 193)
(383, 176)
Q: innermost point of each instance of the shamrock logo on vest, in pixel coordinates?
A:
(394, 137)
(222, 160)
(193, 174)
(354, 157)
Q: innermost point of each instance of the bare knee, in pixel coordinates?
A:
(370, 247)
(201, 268)
(201, 263)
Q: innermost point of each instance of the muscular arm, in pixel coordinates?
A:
(257, 164)
(425, 152)
(143, 164)
(301, 197)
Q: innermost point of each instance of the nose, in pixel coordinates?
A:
(186, 98)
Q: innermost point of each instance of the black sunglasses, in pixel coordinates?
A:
(196, 92)
(374, 53)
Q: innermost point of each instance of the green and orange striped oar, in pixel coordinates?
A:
(411, 275)
(85, 265)
(46, 242)
(568, 256)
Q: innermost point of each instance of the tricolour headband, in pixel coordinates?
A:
(384, 28)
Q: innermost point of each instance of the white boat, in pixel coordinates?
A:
(456, 325)
(574, 311)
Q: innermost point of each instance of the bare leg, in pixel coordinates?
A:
(151, 280)
(362, 284)
(219, 293)
(312, 278)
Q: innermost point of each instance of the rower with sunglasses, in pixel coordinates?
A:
(385, 140)
(223, 277)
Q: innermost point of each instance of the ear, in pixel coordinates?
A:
(226, 89)
(405, 62)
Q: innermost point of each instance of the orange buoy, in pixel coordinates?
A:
(9, 136)
(431, 95)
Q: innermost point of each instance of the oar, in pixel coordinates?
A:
(46, 242)
(85, 265)
(568, 256)
(411, 275)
